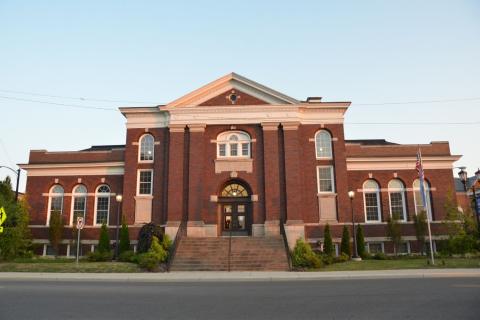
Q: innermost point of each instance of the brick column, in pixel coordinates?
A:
(176, 201)
(294, 227)
(272, 179)
(195, 226)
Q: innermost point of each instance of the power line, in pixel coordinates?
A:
(60, 104)
(414, 123)
(419, 102)
(74, 98)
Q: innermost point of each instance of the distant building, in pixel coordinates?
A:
(236, 156)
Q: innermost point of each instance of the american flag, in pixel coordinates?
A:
(421, 177)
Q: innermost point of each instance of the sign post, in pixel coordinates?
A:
(3, 217)
(80, 225)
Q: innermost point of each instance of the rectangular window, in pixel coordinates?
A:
(222, 151)
(396, 205)
(145, 182)
(371, 206)
(233, 150)
(245, 149)
(375, 247)
(404, 248)
(325, 179)
(79, 204)
(102, 210)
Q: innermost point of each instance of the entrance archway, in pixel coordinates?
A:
(236, 209)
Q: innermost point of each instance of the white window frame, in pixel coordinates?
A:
(138, 183)
(330, 156)
(78, 195)
(50, 196)
(380, 242)
(140, 149)
(402, 192)
(409, 250)
(102, 195)
(224, 138)
(427, 196)
(332, 176)
(379, 205)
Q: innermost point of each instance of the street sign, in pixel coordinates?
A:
(3, 217)
(80, 223)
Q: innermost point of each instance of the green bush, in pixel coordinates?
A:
(342, 258)
(128, 256)
(345, 245)
(327, 259)
(303, 256)
(379, 256)
(55, 230)
(361, 243)
(328, 248)
(147, 232)
(156, 254)
(462, 243)
(104, 240)
(98, 256)
(124, 244)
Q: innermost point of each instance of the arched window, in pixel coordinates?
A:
(55, 201)
(396, 194)
(234, 190)
(102, 204)
(419, 198)
(79, 203)
(371, 198)
(323, 145)
(147, 144)
(233, 144)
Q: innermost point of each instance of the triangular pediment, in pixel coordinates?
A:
(232, 89)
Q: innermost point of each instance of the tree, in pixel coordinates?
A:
(124, 238)
(146, 234)
(394, 233)
(55, 230)
(360, 242)
(104, 240)
(420, 224)
(345, 245)
(15, 240)
(328, 248)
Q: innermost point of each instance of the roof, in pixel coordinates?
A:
(371, 142)
(459, 184)
(105, 147)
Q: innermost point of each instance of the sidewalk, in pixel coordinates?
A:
(243, 276)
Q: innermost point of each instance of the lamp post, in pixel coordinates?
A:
(462, 174)
(119, 199)
(17, 172)
(351, 195)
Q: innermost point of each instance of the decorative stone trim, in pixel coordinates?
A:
(177, 127)
(270, 126)
(290, 125)
(197, 127)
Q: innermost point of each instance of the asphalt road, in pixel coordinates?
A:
(441, 298)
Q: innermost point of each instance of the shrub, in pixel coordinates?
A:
(342, 258)
(98, 256)
(379, 256)
(394, 232)
(304, 257)
(328, 248)
(128, 256)
(55, 230)
(361, 243)
(124, 244)
(421, 228)
(146, 235)
(104, 240)
(345, 245)
(327, 259)
(156, 254)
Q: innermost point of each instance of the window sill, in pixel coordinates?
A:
(326, 194)
(144, 196)
(145, 161)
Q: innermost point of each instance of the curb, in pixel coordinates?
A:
(243, 276)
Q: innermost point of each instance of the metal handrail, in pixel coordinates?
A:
(181, 232)
(285, 243)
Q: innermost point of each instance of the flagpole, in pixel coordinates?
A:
(426, 205)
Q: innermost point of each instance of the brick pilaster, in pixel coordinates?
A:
(176, 173)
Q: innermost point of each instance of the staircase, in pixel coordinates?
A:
(247, 254)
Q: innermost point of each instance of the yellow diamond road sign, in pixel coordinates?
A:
(3, 217)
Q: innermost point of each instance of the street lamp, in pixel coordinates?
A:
(351, 195)
(17, 172)
(119, 199)
(462, 174)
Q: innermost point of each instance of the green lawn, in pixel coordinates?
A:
(67, 265)
(420, 263)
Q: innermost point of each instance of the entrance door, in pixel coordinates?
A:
(234, 219)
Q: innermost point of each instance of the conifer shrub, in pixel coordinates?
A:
(146, 234)
(104, 251)
(361, 243)
(345, 245)
(55, 230)
(328, 248)
(303, 256)
(124, 244)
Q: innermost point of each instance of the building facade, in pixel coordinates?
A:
(237, 157)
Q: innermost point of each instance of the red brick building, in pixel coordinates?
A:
(236, 156)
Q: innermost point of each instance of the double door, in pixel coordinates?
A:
(235, 219)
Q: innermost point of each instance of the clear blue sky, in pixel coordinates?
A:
(155, 51)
